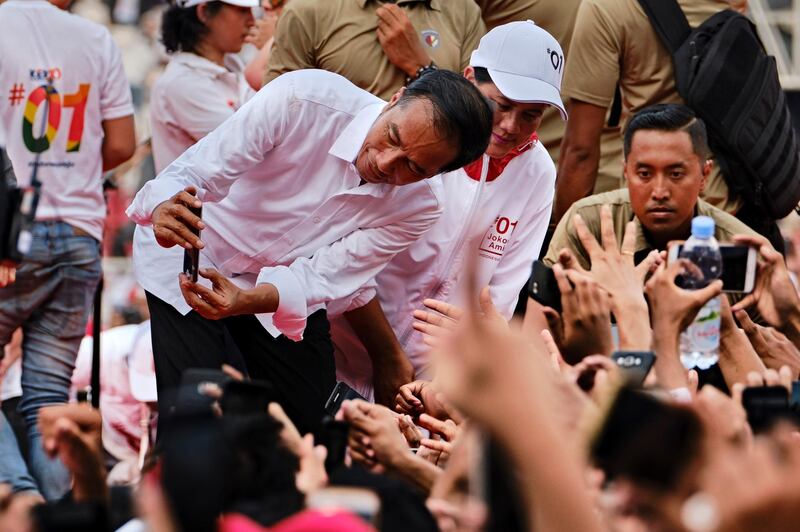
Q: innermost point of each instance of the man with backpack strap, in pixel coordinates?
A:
(614, 43)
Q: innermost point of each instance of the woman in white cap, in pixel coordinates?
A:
(204, 82)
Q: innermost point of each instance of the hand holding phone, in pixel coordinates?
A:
(739, 264)
(175, 224)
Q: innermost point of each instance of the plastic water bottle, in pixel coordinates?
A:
(700, 341)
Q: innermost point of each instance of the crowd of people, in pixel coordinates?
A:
(335, 324)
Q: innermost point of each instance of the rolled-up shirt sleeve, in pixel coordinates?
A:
(215, 162)
(337, 271)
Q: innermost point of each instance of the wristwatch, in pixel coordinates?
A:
(421, 71)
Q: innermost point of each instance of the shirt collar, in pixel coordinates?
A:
(433, 4)
(200, 63)
(352, 137)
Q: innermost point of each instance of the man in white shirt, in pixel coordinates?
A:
(301, 206)
(51, 60)
(497, 208)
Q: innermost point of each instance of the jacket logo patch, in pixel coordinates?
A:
(494, 241)
(431, 38)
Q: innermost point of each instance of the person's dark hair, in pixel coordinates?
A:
(669, 117)
(482, 75)
(461, 114)
(181, 30)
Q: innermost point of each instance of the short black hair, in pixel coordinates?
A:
(482, 75)
(669, 117)
(461, 114)
(181, 30)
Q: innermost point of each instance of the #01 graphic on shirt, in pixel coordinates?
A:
(494, 241)
(34, 102)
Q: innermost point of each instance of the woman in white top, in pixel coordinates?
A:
(204, 82)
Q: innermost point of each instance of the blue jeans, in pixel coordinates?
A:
(50, 300)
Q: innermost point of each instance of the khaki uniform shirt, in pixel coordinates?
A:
(565, 235)
(341, 36)
(614, 42)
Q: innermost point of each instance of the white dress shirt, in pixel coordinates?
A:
(501, 222)
(192, 97)
(282, 201)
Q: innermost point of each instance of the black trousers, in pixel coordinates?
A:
(302, 373)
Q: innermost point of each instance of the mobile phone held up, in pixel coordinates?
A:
(543, 287)
(738, 266)
(341, 393)
(635, 365)
(191, 257)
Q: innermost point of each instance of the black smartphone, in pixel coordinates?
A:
(646, 440)
(334, 437)
(246, 397)
(766, 405)
(543, 287)
(190, 396)
(635, 365)
(191, 257)
(341, 393)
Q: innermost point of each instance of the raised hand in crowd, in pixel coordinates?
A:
(375, 441)
(454, 500)
(749, 489)
(72, 433)
(774, 295)
(15, 510)
(773, 347)
(400, 40)
(673, 309)
(737, 357)
(584, 326)
(172, 220)
(420, 397)
(262, 32)
(502, 380)
(613, 269)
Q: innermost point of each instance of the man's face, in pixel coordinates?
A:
(513, 123)
(402, 146)
(665, 177)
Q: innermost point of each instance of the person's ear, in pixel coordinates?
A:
(202, 16)
(396, 96)
(469, 73)
(708, 165)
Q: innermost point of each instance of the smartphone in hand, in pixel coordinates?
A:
(543, 287)
(191, 257)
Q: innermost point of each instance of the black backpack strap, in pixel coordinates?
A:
(668, 20)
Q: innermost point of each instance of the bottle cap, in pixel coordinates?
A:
(703, 226)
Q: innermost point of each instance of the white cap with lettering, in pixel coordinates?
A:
(525, 62)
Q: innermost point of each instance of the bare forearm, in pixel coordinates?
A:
(417, 471)
(737, 357)
(633, 324)
(263, 298)
(550, 474)
(373, 329)
(668, 367)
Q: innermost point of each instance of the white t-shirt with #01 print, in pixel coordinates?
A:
(39, 42)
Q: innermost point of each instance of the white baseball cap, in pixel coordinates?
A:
(241, 3)
(525, 62)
